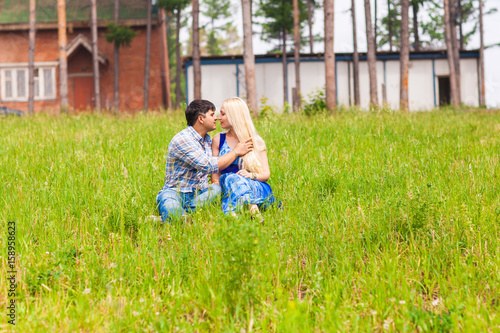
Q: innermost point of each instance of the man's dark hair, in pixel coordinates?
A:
(198, 107)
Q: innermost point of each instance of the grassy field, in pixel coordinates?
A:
(390, 223)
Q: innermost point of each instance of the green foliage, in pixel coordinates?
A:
(392, 22)
(317, 104)
(266, 110)
(175, 21)
(237, 255)
(215, 10)
(431, 22)
(428, 321)
(120, 35)
(278, 16)
(173, 6)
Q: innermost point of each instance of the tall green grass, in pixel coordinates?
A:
(390, 222)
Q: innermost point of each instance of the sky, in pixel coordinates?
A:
(343, 41)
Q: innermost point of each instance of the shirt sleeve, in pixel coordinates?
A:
(190, 152)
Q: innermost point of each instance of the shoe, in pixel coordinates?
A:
(256, 214)
(187, 219)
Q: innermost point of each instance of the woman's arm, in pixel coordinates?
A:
(215, 152)
(266, 173)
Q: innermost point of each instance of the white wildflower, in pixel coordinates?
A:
(86, 291)
(387, 324)
(402, 302)
(135, 313)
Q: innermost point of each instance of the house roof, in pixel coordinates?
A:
(15, 13)
(273, 57)
(83, 41)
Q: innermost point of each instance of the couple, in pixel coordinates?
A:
(236, 159)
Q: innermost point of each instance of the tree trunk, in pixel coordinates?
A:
(95, 55)
(178, 65)
(196, 50)
(31, 64)
(310, 12)
(355, 55)
(415, 7)
(449, 51)
(296, 60)
(482, 97)
(390, 24)
(456, 53)
(146, 65)
(116, 84)
(285, 69)
(330, 88)
(372, 69)
(404, 56)
(375, 25)
(63, 61)
(165, 64)
(249, 57)
(460, 24)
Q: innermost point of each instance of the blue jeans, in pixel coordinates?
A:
(172, 203)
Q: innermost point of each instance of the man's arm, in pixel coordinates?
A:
(241, 149)
(215, 152)
(191, 153)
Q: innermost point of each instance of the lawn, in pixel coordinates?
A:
(390, 222)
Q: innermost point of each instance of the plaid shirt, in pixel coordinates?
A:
(189, 161)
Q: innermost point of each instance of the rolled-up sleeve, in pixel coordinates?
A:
(191, 153)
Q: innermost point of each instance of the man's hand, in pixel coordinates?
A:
(244, 148)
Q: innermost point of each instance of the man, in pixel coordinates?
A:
(190, 161)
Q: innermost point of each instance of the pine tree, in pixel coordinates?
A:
(215, 10)
(279, 26)
(175, 8)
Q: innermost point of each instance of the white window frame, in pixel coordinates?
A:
(14, 68)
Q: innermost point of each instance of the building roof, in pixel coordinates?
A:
(82, 41)
(306, 57)
(15, 13)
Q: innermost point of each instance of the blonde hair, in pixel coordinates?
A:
(238, 115)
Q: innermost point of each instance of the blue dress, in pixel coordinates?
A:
(238, 190)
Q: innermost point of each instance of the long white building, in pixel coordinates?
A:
(223, 77)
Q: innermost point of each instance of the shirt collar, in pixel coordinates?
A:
(197, 136)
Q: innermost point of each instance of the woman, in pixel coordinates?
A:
(244, 181)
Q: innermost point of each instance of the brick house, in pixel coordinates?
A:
(14, 46)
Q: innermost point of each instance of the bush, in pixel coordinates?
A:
(317, 104)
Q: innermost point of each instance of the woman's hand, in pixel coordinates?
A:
(246, 174)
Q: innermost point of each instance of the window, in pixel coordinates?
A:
(15, 84)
